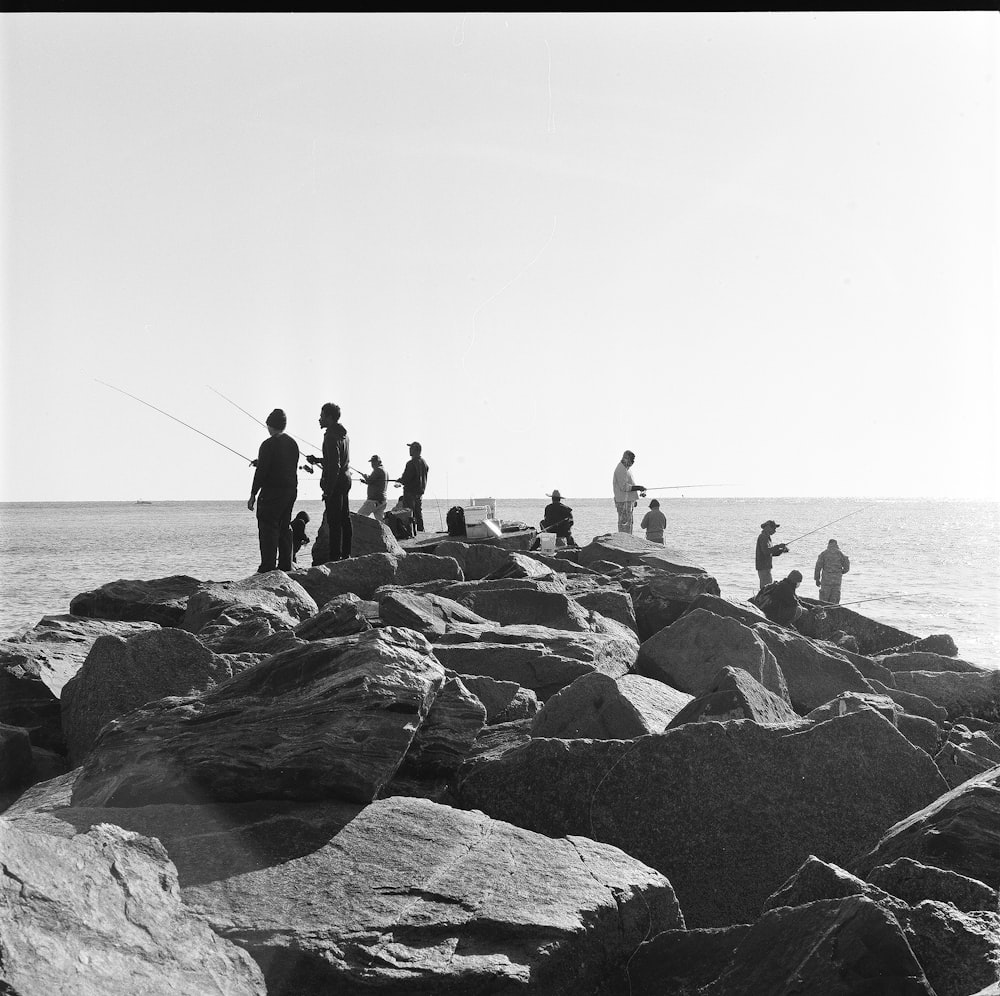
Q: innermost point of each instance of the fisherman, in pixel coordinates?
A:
(831, 565)
(765, 551)
(654, 522)
(414, 481)
(558, 519)
(299, 538)
(336, 480)
(626, 491)
(778, 601)
(276, 481)
(376, 481)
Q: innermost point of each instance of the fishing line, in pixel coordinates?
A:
(264, 424)
(825, 524)
(677, 487)
(875, 598)
(175, 418)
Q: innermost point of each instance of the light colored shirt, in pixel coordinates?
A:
(623, 483)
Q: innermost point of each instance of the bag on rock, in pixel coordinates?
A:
(456, 520)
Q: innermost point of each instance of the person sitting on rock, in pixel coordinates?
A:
(778, 601)
(299, 538)
(558, 519)
(654, 522)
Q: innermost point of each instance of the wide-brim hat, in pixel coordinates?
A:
(555, 494)
(770, 522)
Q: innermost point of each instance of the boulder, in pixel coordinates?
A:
(922, 660)
(661, 599)
(414, 897)
(541, 659)
(958, 832)
(937, 643)
(837, 947)
(689, 654)
(368, 537)
(360, 576)
(723, 605)
(120, 675)
(54, 649)
(959, 952)
(921, 732)
(601, 707)
(415, 568)
(813, 676)
(26, 701)
(477, 560)
(259, 634)
(626, 550)
(162, 601)
(527, 607)
(735, 694)
(916, 705)
(205, 843)
(682, 962)
(816, 880)
(425, 613)
(274, 595)
(958, 693)
(101, 914)
(447, 734)
(727, 811)
(611, 600)
(520, 565)
(872, 637)
(852, 702)
(958, 763)
(503, 700)
(17, 765)
(331, 720)
(341, 616)
(913, 882)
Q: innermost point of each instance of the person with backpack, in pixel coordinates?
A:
(831, 566)
(765, 552)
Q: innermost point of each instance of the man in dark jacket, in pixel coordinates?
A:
(276, 481)
(558, 519)
(336, 481)
(778, 601)
(414, 481)
(765, 551)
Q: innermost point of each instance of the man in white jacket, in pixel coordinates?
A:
(627, 492)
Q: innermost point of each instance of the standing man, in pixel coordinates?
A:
(831, 565)
(376, 481)
(336, 480)
(627, 492)
(765, 552)
(276, 480)
(414, 481)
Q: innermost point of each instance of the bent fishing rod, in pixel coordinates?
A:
(825, 524)
(858, 601)
(249, 460)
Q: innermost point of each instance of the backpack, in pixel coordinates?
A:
(456, 521)
(400, 525)
(763, 597)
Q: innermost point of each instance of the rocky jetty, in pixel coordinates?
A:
(490, 771)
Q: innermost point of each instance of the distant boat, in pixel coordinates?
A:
(139, 502)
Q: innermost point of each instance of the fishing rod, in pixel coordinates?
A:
(176, 419)
(306, 467)
(858, 601)
(825, 524)
(678, 487)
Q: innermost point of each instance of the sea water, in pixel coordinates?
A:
(938, 560)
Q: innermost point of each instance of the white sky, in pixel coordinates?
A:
(761, 250)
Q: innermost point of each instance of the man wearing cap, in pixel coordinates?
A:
(626, 491)
(558, 519)
(765, 551)
(335, 482)
(414, 481)
(276, 480)
(376, 481)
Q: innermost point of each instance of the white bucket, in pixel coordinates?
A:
(548, 542)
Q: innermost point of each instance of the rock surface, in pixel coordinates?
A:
(162, 601)
(413, 897)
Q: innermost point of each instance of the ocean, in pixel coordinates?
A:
(938, 560)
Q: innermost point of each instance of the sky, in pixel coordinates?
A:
(758, 249)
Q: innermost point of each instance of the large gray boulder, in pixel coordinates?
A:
(689, 654)
(627, 551)
(331, 720)
(101, 914)
(914, 882)
(120, 675)
(274, 595)
(360, 576)
(414, 897)
(527, 607)
(17, 766)
(536, 657)
(959, 831)
(426, 613)
(341, 616)
(727, 811)
(611, 600)
(604, 708)
(813, 675)
(958, 693)
(162, 600)
(735, 694)
(661, 598)
(477, 560)
(723, 605)
(504, 701)
(447, 734)
(923, 660)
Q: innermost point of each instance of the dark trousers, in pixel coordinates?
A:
(338, 522)
(415, 503)
(274, 515)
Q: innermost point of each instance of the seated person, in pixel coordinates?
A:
(778, 602)
(558, 519)
(400, 521)
(299, 537)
